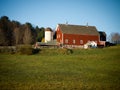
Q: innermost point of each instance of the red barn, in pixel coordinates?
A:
(76, 35)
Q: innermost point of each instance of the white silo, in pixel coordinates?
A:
(48, 35)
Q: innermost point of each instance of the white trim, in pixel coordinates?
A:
(56, 27)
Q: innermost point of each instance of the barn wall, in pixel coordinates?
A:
(71, 39)
(59, 35)
(75, 39)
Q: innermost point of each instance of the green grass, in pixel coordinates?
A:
(92, 69)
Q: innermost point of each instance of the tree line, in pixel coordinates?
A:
(14, 33)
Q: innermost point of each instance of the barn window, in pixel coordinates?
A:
(73, 41)
(81, 41)
(66, 40)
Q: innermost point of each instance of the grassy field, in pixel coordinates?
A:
(92, 69)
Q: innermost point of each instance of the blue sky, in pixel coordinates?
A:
(104, 14)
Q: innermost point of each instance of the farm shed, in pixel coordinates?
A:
(102, 36)
(76, 35)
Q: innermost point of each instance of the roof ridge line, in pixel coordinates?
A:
(76, 25)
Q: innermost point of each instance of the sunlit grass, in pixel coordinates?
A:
(84, 69)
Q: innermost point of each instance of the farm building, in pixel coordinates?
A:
(77, 35)
(48, 35)
(102, 36)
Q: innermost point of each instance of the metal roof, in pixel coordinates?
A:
(78, 29)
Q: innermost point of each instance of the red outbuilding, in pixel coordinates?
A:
(76, 35)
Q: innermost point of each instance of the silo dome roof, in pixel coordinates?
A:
(48, 29)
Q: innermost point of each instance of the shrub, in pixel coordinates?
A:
(35, 51)
(69, 51)
(25, 49)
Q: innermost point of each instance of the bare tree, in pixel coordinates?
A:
(17, 35)
(27, 39)
(115, 38)
(13, 32)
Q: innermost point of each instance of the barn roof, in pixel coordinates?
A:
(78, 29)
